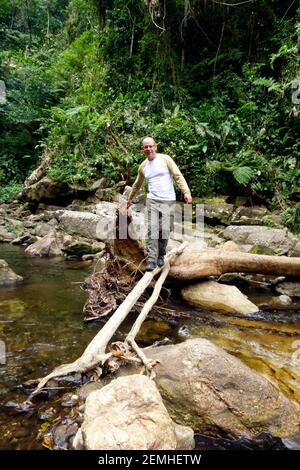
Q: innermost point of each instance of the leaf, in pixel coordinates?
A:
(269, 83)
(243, 174)
(73, 111)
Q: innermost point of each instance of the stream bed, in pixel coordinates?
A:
(41, 323)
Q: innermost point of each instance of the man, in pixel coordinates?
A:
(158, 170)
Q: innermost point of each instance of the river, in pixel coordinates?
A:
(41, 325)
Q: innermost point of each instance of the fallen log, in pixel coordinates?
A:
(95, 355)
(39, 172)
(198, 264)
(192, 265)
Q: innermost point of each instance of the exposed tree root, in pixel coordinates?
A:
(95, 355)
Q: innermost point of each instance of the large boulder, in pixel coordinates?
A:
(82, 246)
(219, 213)
(42, 229)
(289, 288)
(7, 276)
(129, 414)
(208, 389)
(219, 297)
(99, 226)
(249, 215)
(50, 245)
(6, 235)
(45, 189)
(280, 241)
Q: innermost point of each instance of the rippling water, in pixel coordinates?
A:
(41, 324)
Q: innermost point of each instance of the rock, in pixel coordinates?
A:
(99, 226)
(24, 239)
(229, 246)
(77, 443)
(102, 194)
(205, 387)
(185, 437)
(218, 213)
(42, 208)
(128, 414)
(249, 215)
(272, 220)
(211, 238)
(295, 251)
(88, 388)
(210, 294)
(81, 206)
(280, 241)
(99, 184)
(83, 247)
(236, 279)
(6, 236)
(44, 190)
(262, 250)
(14, 225)
(42, 229)
(46, 415)
(62, 433)
(29, 224)
(292, 443)
(7, 276)
(50, 245)
(291, 289)
(282, 301)
(98, 264)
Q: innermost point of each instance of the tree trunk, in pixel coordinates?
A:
(101, 13)
(198, 264)
(94, 354)
(39, 172)
(192, 265)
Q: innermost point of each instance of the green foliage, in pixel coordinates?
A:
(9, 191)
(90, 79)
(291, 218)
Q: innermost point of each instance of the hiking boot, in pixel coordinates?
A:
(151, 265)
(160, 261)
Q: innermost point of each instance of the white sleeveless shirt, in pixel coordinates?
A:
(159, 179)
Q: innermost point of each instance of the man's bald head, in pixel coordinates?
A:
(149, 148)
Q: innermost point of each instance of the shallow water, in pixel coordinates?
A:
(41, 324)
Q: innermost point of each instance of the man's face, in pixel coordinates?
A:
(149, 148)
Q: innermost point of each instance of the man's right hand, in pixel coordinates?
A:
(129, 202)
(188, 199)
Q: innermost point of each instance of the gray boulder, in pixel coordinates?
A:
(7, 276)
(291, 289)
(50, 245)
(280, 241)
(99, 226)
(129, 414)
(218, 297)
(249, 215)
(44, 190)
(220, 213)
(6, 235)
(205, 387)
